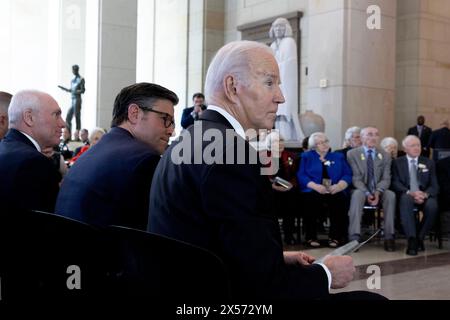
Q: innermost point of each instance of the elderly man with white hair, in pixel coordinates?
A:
(415, 182)
(352, 139)
(371, 167)
(29, 180)
(227, 207)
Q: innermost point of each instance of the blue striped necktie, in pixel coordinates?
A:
(370, 173)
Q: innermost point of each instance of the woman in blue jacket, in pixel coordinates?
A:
(324, 177)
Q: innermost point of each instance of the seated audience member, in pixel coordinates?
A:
(193, 113)
(323, 179)
(95, 137)
(371, 169)
(84, 137)
(443, 174)
(226, 206)
(415, 183)
(64, 144)
(286, 199)
(390, 146)
(28, 178)
(5, 99)
(110, 184)
(352, 139)
(424, 133)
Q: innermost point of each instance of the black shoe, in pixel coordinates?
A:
(412, 247)
(389, 245)
(420, 245)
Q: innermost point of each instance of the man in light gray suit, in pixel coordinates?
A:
(415, 183)
(371, 168)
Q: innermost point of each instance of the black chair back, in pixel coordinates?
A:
(48, 257)
(157, 268)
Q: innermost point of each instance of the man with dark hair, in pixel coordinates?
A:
(28, 178)
(5, 99)
(110, 183)
(193, 113)
(77, 88)
(424, 133)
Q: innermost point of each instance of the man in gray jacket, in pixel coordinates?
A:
(371, 168)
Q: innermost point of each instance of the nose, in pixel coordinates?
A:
(171, 131)
(279, 97)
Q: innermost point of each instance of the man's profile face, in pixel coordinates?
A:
(370, 137)
(47, 123)
(75, 70)
(151, 129)
(260, 95)
(412, 147)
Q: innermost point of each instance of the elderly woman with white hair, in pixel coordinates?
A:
(324, 177)
(352, 139)
(390, 145)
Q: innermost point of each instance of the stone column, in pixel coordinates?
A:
(423, 63)
(116, 55)
(351, 68)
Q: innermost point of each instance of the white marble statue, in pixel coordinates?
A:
(285, 50)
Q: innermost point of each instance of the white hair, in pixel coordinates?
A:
(388, 141)
(349, 134)
(232, 59)
(21, 101)
(405, 139)
(312, 139)
(287, 33)
(96, 131)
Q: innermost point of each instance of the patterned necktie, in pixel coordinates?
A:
(413, 184)
(370, 173)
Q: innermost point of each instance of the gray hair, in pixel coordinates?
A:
(231, 59)
(405, 139)
(21, 101)
(349, 134)
(312, 139)
(287, 33)
(388, 141)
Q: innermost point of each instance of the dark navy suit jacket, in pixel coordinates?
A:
(110, 183)
(28, 179)
(227, 209)
(311, 169)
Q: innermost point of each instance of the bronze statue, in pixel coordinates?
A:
(76, 89)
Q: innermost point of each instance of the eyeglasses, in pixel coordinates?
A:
(322, 142)
(168, 119)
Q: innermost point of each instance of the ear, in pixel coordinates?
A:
(230, 88)
(133, 113)
(28, 117)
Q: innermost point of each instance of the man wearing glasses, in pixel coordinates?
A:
(110, 183)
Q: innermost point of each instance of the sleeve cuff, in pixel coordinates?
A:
(328, 274)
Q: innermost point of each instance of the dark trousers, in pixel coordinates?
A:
(75, 108)
(287, 208)
(338, 207)
(408, 218)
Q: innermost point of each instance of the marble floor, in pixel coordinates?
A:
(402, 277)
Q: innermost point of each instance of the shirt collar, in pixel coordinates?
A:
(409, 159)
(32, 140)
(234, 123)
(374, 150)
